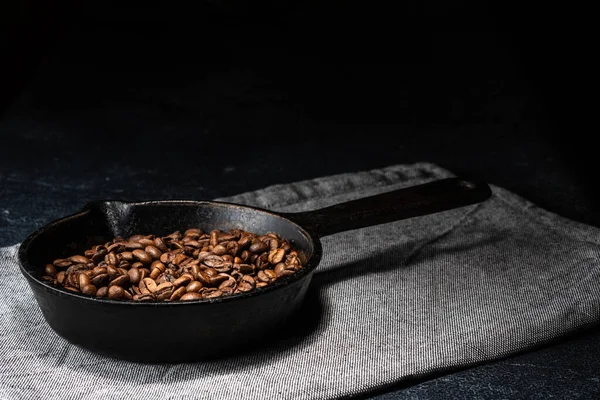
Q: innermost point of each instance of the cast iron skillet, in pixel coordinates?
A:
(204, 329)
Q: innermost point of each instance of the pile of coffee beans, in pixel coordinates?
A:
(177, 267)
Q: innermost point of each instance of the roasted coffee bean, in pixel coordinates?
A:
(100, 280)
(112, 272)
(134, 245)
(245, 241)
(169, 268)
(246, 284)
(102, 292)
(116, 248)
(213, 261)
(50, 270)
(194, 286)
(282, 270)
(217, 280)
(62, 263)
(89, 289)
(219, 249)
(214, 238)
(179, 258)
(79, 259)
(83, 280)
(146, 242)
(164, 291)
(267, 276)
(182, 280)
(115, 292)
(258, 246)
(111, 259)
(177, 294)
(276, 256)
(142, 256)
(148, 284)
(212, 294)
(191, 296)
(204, 278)
(159, 244)
(134, 276)
(153, 252)
(244, 268)
(120, 280)
(72, 289)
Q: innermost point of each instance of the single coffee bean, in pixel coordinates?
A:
(214, 238)
(245, 241)
(112, 272)
(159, 244)
(120, 281)
(61, 277)
(115, 292)
(283, 270)
(192, 243)
(153, 252)
(111, 259)
(213, 261)
(217, 280)
(79, 259)
(73, 279)
(127, 256)
(177, 293)
(196, 232)
(267, 276)
(146, 242)
(204, 278)
(84, 280)
(194, 286)
(261, 284)
(211, 294)
(50, 270)
(258, 246)
(134, 276)
(164, 291)
(182, 281)
(244, 268)
(89, 289)
(142, 256)
(150, 284)
(220, 250)
(211, 272)
(179, 258)
(246, 284)
(191, 296)
(100, 280)
(102, 292)
(143, 297)
(134, 246)
(72, 289)
(126, 295)
(99, 270)
(116, 248)
(276, 256)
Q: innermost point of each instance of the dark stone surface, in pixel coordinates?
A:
(211, 107)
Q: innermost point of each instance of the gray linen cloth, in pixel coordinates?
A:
(389, 302)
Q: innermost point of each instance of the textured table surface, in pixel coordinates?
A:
(121, 114)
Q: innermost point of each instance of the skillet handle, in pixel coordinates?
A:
(414, 201)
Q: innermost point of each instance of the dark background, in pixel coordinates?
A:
(165, 100)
